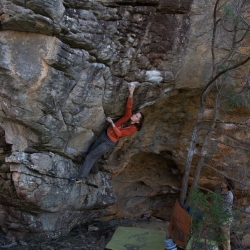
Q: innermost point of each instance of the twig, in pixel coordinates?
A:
(9, 245)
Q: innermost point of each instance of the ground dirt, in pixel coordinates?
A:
(91, 236)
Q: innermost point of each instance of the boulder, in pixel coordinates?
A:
(64, 67)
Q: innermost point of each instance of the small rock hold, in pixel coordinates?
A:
(92, 228)
(246, 241)
(83, 236)
(50, 248)
(23, 243)
(102, 242)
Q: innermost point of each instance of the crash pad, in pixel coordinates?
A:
(179, 225)
(128, 238)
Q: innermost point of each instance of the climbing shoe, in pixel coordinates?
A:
(74, 180)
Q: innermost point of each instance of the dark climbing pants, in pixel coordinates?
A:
(101, 146)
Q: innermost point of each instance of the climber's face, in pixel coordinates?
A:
(223, 185)
(135, 118)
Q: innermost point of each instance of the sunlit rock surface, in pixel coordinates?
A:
(64, 67)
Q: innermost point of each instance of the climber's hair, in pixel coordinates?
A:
(230, 183)
(138, 125)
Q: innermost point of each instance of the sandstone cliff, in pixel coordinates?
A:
(64, 67)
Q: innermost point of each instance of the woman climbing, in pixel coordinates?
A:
(125, 126)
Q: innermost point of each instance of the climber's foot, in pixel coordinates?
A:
(74, 180)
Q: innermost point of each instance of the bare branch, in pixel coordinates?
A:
(225, 175)
(205, 144)
(209, 85)
(244, 143)
(231, 146)
(222, 164)
(239, 14)
(244, 36)
(214, 34)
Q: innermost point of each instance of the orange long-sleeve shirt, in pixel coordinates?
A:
(117, 132)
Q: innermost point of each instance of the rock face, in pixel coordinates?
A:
(65, 67)
(37, 194)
